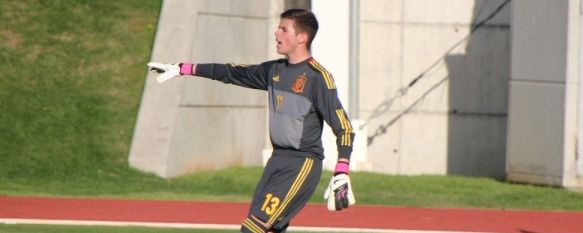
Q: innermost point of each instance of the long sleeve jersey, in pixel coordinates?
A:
(301, 97)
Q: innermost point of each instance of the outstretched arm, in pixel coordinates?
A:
(251, 76)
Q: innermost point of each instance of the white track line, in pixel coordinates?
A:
(203, 226)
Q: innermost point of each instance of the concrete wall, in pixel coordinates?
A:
(453, 119)
(192, 124)
(468, 113)
(545, 86)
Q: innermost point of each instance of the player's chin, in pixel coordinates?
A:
(282, 50)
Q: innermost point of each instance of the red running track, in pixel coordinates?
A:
(359, 216)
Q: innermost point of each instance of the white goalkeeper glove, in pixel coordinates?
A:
(339, 192)
(165, 71)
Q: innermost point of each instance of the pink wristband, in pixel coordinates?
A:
(341, 167)
(186, 68)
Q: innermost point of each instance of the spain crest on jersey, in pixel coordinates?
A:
(299, 83)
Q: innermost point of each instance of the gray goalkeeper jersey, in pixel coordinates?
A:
(301, 97)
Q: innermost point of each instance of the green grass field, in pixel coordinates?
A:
(237, 184)
(73, 74)
(72, 78)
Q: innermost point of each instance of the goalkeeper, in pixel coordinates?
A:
(302, 95)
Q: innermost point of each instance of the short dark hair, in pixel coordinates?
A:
(304, 21)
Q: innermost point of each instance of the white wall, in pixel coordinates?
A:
(453, 120)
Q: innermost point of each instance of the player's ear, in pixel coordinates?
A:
(303, 37)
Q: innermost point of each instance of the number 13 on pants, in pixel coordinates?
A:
(270, 204)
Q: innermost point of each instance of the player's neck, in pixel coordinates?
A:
(298, 56)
